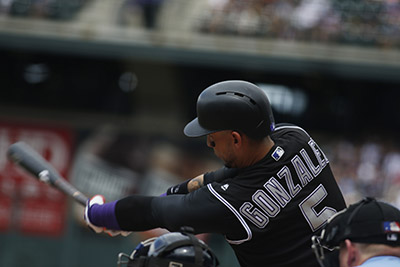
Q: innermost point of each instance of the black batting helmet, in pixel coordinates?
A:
(232, 105)
(177, 249)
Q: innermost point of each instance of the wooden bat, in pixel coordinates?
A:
(28, 159)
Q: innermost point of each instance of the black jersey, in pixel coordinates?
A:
(281, 201)
(267, 212)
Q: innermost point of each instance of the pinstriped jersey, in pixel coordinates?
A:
(280, 202)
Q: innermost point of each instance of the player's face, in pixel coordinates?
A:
(221, 142)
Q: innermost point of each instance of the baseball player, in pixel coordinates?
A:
(275, 192)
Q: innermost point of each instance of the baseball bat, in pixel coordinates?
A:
(28, 159)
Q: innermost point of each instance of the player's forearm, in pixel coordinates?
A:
(130, 213)
(195, 183)
(186, 187)
(201, 180)
(133, 213)
(141, 213)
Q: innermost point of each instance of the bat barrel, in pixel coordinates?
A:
(24, 156)
(31, 161)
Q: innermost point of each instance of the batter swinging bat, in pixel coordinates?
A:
(27, 158)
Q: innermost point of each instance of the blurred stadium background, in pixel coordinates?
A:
(103, 88)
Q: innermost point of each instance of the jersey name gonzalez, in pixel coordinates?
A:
(268, 201)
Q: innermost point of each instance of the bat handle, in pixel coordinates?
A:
(81, 198)
(70, 190)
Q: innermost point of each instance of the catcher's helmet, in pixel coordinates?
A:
(232, 105)
(367, 221)
(177, 249)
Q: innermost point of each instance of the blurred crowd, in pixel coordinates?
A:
(48, 9)
(368, 22)
(366, 167)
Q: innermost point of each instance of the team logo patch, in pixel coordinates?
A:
(391, 227)
(278, 153)
(225, 187)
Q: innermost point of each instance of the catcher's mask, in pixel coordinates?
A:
(176, 249)
(367, 221)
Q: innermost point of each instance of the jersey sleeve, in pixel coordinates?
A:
(220, 175)
(198, 209)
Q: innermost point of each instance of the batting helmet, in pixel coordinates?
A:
(177, 249)
(367, 221)
(232, 105)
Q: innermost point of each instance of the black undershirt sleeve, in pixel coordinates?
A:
(199, 210)
(135, 212)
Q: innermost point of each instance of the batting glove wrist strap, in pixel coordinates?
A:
(178, 189)
(101, 215)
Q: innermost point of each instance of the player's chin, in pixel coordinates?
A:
(228, 163)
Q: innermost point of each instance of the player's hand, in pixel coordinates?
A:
(116, 232)
(100, 200)
(95, 200)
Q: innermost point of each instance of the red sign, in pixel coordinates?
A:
(26, 205)
(5, 213)
(41, 216)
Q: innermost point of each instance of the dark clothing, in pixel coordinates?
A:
(267, 212)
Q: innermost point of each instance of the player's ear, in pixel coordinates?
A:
(237, 138)
(352, 253)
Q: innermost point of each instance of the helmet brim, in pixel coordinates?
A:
(194, 129)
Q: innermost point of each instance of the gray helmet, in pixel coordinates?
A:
(232, 105)
(172, 249)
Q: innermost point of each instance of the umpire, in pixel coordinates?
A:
(366, 234)
(275, 192)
